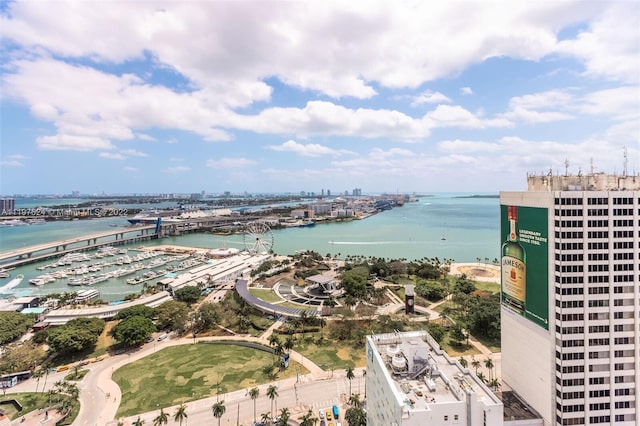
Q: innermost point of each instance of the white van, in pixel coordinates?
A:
(162, 336)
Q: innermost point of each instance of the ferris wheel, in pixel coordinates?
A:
(258, 238)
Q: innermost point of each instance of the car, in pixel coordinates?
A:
(329, 415)
(162, 336)
(321, 414)
(149, 339)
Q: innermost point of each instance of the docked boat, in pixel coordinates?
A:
(74, 281)
(37, 281)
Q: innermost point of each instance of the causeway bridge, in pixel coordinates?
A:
(43, 251)
(133, 234)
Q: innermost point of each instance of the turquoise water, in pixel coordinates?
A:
(444, 226)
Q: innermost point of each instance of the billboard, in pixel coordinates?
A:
(524, 262)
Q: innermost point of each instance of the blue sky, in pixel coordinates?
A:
(269, 96)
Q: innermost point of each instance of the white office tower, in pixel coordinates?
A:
(412, 382)
(570, 297)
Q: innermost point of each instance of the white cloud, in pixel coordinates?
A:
(621, 103)
(308, 150)
(11, 163)
(112, 155)
(342, 45)
(429, 97)
(230, 163)
(133, 153)
(72, 143)
(611, 44)
(130, 169)
(466, 91)
(457, 116)
(177, 169)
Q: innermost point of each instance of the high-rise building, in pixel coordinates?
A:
(570, 310)
(7, 206)
(412, 382)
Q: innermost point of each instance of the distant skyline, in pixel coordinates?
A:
(274, 96)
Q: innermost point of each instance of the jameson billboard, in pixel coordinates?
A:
(524, 262)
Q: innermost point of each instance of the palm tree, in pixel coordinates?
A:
(308, 419)
(218, 410)
(475, 364)
(350, 376)
(481, 377)
(354, 400)
(265, 418)
(272, 393)
(489, 364)
(138, 422)
(284, 417)
(162, 419)
(37, 374)
(181, 414)
(494, 383)
(254, 393)
(463, 362)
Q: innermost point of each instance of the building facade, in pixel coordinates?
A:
(570, 310)
(412, 382)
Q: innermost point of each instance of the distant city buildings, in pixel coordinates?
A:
(570, 311)
(7, 205)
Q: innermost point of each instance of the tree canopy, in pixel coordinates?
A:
(172, 315)
(13, 325)
(133, 330)
(137, 310)
(76, 335)
(188, 294)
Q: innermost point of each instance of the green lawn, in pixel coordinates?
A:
(487, 286)
(268, 296)
(187, 372)
(333, 354)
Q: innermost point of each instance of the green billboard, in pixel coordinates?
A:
(524, 262)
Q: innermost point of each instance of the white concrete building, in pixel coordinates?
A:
(412, 382)
(571, 312)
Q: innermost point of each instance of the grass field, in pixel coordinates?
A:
(268, 296)
(333, 355)
(187, 372)
(487, 286)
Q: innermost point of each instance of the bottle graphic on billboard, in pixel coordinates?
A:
(514, 266)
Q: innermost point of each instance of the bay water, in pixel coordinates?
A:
(460, 227)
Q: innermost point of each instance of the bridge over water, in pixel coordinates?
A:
(43, 251)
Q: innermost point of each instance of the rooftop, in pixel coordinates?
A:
(580, 182)
(423, 374)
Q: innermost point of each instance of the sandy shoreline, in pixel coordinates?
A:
(477, 271)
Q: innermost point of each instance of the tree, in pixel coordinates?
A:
(437, 331)
(133, 330)
(254, 393)
(463, 362)
(188, 294)
(265, 418)
(272, 393)
(481, 377)
(132, 311)
(355, 416)
(172, 315)
(206, 316)
(494, 383)
(180, 414)
(475, 364)
(489, 364)
(308, 419)
(138, 422)
(457, 334)
(13, 325)
(354, 400)
(77, 335)
(284, 417)
(218, 410)
(350, 376)
(161, 419)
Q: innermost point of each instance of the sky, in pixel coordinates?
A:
(134, 97)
